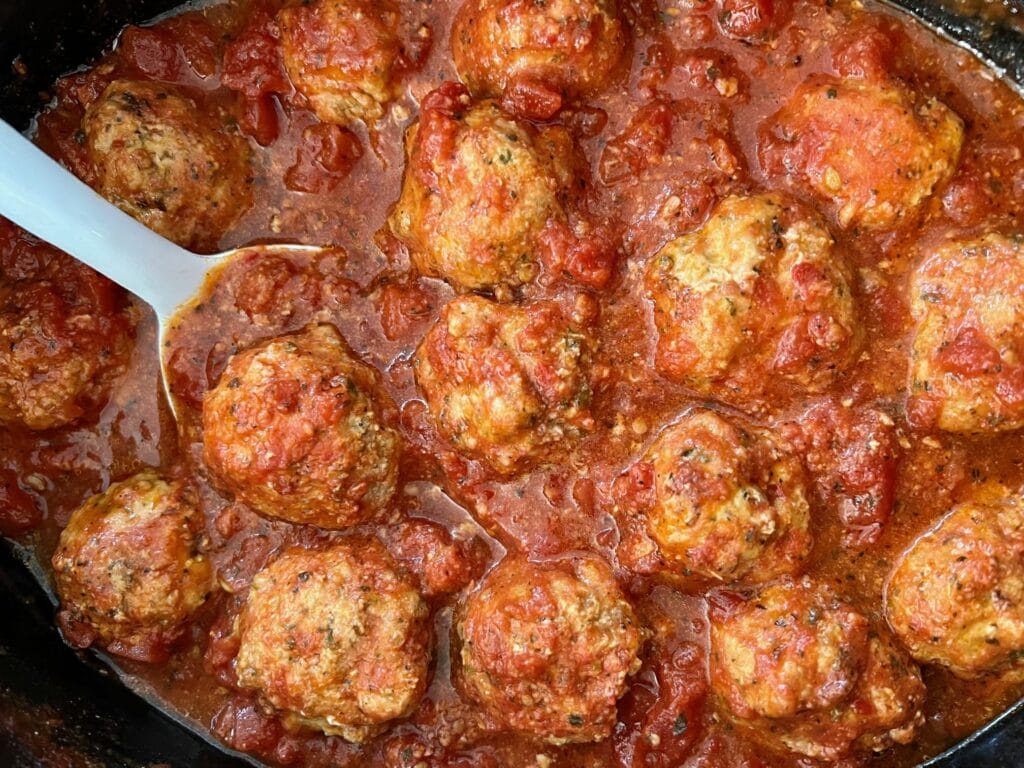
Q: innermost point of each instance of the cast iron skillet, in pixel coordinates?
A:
(59, 707)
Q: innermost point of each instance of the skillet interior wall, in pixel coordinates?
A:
(41, 678)
(42, 39)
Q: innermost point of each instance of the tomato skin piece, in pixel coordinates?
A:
(254, 67)
(753, 20)
(532, 100)
(970, 353)
(663, 708)
(853, 455)
(176, 51)
(325, 156)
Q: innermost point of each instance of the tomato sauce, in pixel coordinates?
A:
(321, 184)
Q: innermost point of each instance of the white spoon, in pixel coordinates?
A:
(42, 197)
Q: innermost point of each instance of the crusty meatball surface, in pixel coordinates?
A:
(967, 359)
(66, 334)
(342, 55)
(801, 668)
(128, 567)
(173, 167)
(956, 596)
(337, 638)
(729, 503)
(294, 428)
(757, 290)
(478, 191)
(819, 141)
(507, 385)
(546, 648)
(570, 47)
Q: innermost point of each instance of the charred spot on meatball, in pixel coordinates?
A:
(956, 596)
(967, 358)
(758, 289)
(129, 569)
(170, 165)
(729, 503)
(295, 429)
(480, 187)
(818, 139)
(798, 667)
(337, 639)
(507, 385)
(546, 649)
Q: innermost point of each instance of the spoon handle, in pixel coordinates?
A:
(40, 196)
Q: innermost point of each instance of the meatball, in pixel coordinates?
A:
(757, 290)
(567, 47)
(729, 503)
(956, 596)
(798, 666)
(338, 639)
(507, 385)
(818, 141)
(161, 159)
(478, 191)
(294, 429)
(65, 335)
(967, 359)
(342, 55)
(129, 570)
(546, 649)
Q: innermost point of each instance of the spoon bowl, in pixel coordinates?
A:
(42, 197)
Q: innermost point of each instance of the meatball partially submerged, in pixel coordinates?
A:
(756, 290)
(128, 568)
(956, 597)
(338, 639)
(478, 191)
(967, 361)
(820, 140)
(343, 55)
(729, 504)
(801, 668)
(546, 648)
(568, 47)
(508, 385)
(294, 429)
(65, 335)
(171, 166)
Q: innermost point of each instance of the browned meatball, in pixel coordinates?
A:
(956, 596)
(729, 503)
(478, 191)
(801, 668)
(875, 152)
(546, 648)
(338, 639)
(160, 158)
(342, 55)
(757, 291)
(294, 429)
(507, 385)
(569, 47)
(129, 570)
(967, 361)
(65, 335)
